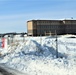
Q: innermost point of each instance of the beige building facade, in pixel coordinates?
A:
(49, 27)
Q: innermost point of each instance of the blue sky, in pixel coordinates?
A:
(14, 14)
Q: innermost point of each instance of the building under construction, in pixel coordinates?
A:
(49, 27)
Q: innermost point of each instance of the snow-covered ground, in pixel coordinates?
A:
(37, 56)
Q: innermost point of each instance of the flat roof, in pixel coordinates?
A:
(53, 20)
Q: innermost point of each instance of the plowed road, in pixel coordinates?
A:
(4, 72)
(8, 71)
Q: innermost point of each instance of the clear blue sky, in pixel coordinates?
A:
(14, 14)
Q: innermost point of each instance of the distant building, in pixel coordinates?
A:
(49, 27)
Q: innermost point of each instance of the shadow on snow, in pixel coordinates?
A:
(44, 51)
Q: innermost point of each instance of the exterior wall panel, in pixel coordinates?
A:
(30, 28)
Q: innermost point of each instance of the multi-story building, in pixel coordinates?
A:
(48, 27)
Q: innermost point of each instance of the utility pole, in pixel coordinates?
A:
(40, 39)
(56, 44)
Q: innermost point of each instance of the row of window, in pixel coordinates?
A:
(48, 22)
(50, 26)
(56, 26)
(69, 22)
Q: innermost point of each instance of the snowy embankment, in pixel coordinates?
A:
(37, 56)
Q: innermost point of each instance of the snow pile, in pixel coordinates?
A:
(37, 56)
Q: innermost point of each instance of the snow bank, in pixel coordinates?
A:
(37, 56)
